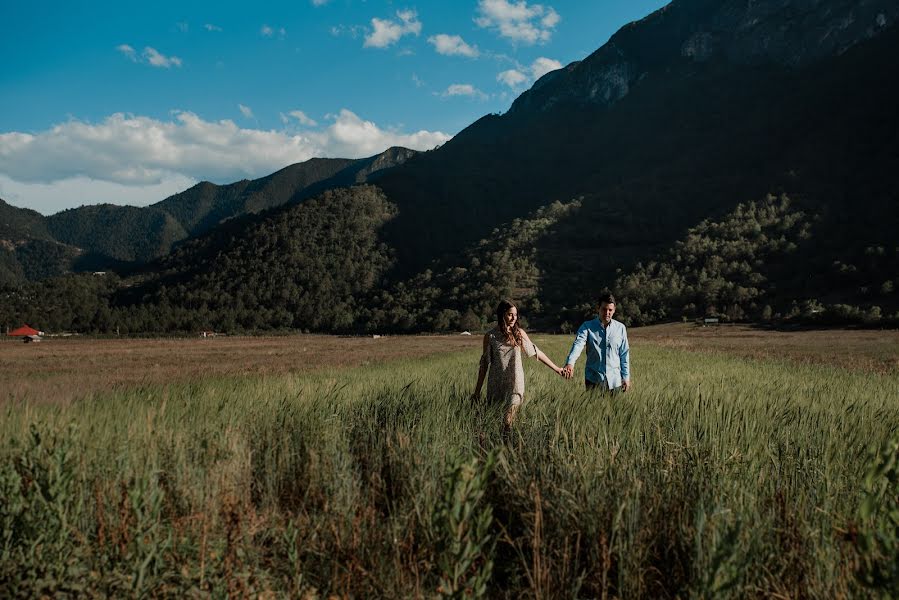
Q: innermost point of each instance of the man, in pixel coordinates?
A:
(608, 361)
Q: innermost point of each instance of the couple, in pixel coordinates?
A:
(608, 365)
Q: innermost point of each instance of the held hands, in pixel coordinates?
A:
(567, 371)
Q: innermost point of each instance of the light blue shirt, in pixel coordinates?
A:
(607, 352)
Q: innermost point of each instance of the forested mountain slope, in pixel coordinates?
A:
(687, 134)
(107, 236)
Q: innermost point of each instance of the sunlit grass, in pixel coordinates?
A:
(716, 476)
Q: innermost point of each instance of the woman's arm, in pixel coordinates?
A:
(482, 366)
(540, 355)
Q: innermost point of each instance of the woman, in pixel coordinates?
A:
(503, 346)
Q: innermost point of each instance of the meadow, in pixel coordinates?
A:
(743, 464)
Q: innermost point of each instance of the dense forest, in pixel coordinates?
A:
(270, 272)
(757, 265)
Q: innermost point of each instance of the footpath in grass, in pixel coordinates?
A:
(717, 476)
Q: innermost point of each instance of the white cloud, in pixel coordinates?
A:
(460, 89)
(452, 45)
(155, 58)
(386, 32)
(211, 27)
(512, 78)
(127, 51)
(182, 26)
(50, 198)
(353, 31)
(551, 19)
(543, 65)
(302, 118)
(245, 111)
(269, 31)
(463, 89)
(138, 153)
(516, 78)
(518, 21)
(352, 137)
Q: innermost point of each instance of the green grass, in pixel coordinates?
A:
(715, 477)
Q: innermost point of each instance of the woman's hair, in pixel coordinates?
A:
(512, 335)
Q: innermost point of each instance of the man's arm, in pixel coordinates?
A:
(624, 356)
(580, 340)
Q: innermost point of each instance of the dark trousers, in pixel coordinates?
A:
(601, 388)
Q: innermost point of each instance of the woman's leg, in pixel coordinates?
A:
(512, 407)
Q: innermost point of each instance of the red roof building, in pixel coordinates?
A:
(24, 330)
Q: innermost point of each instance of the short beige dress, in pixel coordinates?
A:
(505, 380)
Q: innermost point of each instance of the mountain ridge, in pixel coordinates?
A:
(743, 33)
(105, 236)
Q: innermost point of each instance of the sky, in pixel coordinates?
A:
(129, 103)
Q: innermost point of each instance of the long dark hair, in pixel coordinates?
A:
(511, 335)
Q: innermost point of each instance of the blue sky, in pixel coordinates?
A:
(130, 102)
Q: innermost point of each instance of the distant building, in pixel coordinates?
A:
(28, 334)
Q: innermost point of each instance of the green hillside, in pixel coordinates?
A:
(119, 233)
(205, 205)
(107, 236)
(21, 223)
(303, 266)
(27, 248)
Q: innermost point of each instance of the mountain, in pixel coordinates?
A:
(28, 249)
(205, 205)
(739, 33)
(726, 158)
(142, 234)
(21, 223)
(297, 266)
(107, 236)
(679, 117)
(109, 233)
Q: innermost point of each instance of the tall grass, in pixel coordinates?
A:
(715, 477)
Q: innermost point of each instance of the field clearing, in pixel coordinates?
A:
(719, 476)
(856, 349)
(63, 369)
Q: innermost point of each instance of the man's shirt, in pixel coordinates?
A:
(607, 352)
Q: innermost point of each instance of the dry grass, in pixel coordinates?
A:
(856, 349)
(61, 370)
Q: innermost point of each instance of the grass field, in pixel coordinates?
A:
(743, 464)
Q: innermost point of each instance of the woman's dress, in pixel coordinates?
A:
(505, 380)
